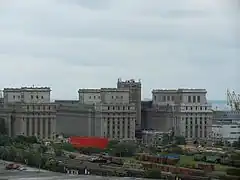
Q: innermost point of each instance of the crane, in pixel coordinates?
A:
(233, 100)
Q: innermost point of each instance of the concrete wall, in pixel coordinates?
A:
(75, 119)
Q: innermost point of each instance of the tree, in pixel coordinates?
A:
(153, 174)
(68, 147)
(124, 149)
(180, 140)
(112, 144)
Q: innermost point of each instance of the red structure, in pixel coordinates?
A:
(94, 142)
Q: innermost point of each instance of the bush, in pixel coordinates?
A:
(153, 174)
(68, 147)
(72, 156)
(233, 171)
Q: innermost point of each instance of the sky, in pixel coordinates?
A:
(72, 44)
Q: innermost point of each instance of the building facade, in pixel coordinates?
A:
(75, 119)
(114, 113)
(135, 88)
(188, 112)
(226, 126)
(29, 112)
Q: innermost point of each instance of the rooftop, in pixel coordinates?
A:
(26, 89)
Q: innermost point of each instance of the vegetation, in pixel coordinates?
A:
(28, 150)
(153, 174)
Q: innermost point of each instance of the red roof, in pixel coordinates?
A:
(95, 142)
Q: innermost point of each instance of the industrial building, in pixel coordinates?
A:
(226, 126)
(28, 111)
(185, 111)
(114, 112)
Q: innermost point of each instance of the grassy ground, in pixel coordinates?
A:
(190, 160)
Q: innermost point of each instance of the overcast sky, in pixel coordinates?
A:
(72, 44)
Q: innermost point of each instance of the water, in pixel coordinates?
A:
(219, 105)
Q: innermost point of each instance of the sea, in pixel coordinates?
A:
(219, 105)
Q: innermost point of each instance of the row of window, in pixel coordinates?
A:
(32, 97)
(201, 135)
(191, 118)
(196, 114)
(119, 107)
(196, 122)
(120, 114)
(40, 107)
(99, 97)
(194, 99)
(191, 99)
(40, 114)
(195, 108)
(196, 127)
(235, 133)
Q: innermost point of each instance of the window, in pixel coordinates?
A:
(36, 97)
(198, 99)
(49, 127)
(13, 97)
(164, 98)
(189, 99)
(42, 97)
(31, 96)
(168, 98)
(27, 128)
(33, 127)
(89, 97)
(155, 98)
(194, 99)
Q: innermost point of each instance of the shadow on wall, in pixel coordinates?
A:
(3, 127)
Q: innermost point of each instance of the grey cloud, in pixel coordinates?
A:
(91, 44)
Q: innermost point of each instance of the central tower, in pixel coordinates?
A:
(135, 88)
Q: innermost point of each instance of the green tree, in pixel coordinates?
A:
(5, 140)
(153, 174)
(68, 147)
(124, 149)
(112, 144)
(180, 140)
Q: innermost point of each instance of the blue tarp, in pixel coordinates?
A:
(170, 156)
